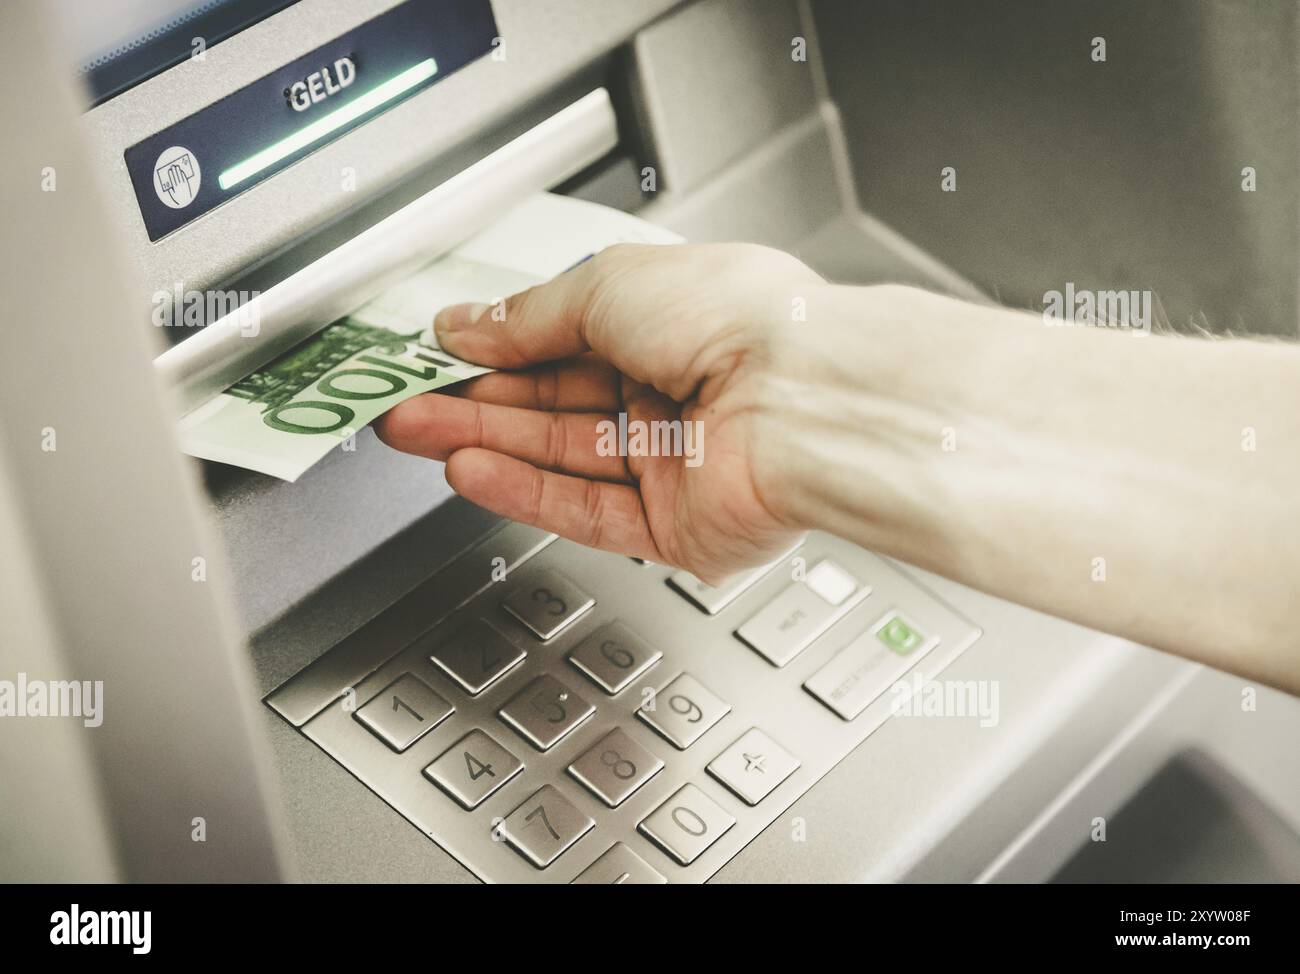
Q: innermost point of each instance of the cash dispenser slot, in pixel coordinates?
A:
(364, 266)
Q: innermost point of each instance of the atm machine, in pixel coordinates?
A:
(355, 690)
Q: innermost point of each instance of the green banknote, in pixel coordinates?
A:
(287, 415)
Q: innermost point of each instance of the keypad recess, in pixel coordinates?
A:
(591, 718)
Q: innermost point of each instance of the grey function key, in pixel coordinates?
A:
(869, 665)
(714, 598)
(789, 623)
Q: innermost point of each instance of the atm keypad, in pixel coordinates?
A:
(590, 719)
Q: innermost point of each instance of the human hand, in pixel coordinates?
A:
(678, 333)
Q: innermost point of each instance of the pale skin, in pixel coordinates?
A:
(970, 440)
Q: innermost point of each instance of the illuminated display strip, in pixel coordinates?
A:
(374, 98)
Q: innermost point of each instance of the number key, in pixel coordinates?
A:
(403, 712)
(545, 711)
(682, 711)
(613, 656)
(476, 656)
(473, 768)
(619, 865)
(614, 767)
(547, 602)
(686, 824)
(544, 826)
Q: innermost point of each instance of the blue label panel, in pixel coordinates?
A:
(215, 154)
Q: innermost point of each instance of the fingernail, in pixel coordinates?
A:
(457, 318)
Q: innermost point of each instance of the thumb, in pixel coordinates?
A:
(540, 324)
(666, 315)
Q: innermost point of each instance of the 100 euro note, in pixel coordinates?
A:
(288, 414)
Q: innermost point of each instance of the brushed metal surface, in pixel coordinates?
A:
(110, 528)
(715, 81)
(312, 688)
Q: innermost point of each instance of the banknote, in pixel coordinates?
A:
(287, 415)
(283, 418)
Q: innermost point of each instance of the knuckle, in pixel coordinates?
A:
(593, 506)
(480, 427)
(611, 284)
(536, 499)
(517, 307)
(546, 389)
(556, 448)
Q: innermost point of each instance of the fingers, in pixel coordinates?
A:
(544, 324)
(664, 315)
(584, 384)
(599, 515)
(437, 426)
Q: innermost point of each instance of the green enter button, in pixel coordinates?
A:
(899, 636)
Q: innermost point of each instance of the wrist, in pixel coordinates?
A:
(862, 411)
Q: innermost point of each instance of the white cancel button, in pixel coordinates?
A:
(176, 177)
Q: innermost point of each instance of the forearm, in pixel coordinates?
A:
(1140, 485)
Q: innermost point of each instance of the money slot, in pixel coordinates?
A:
(362, 267)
